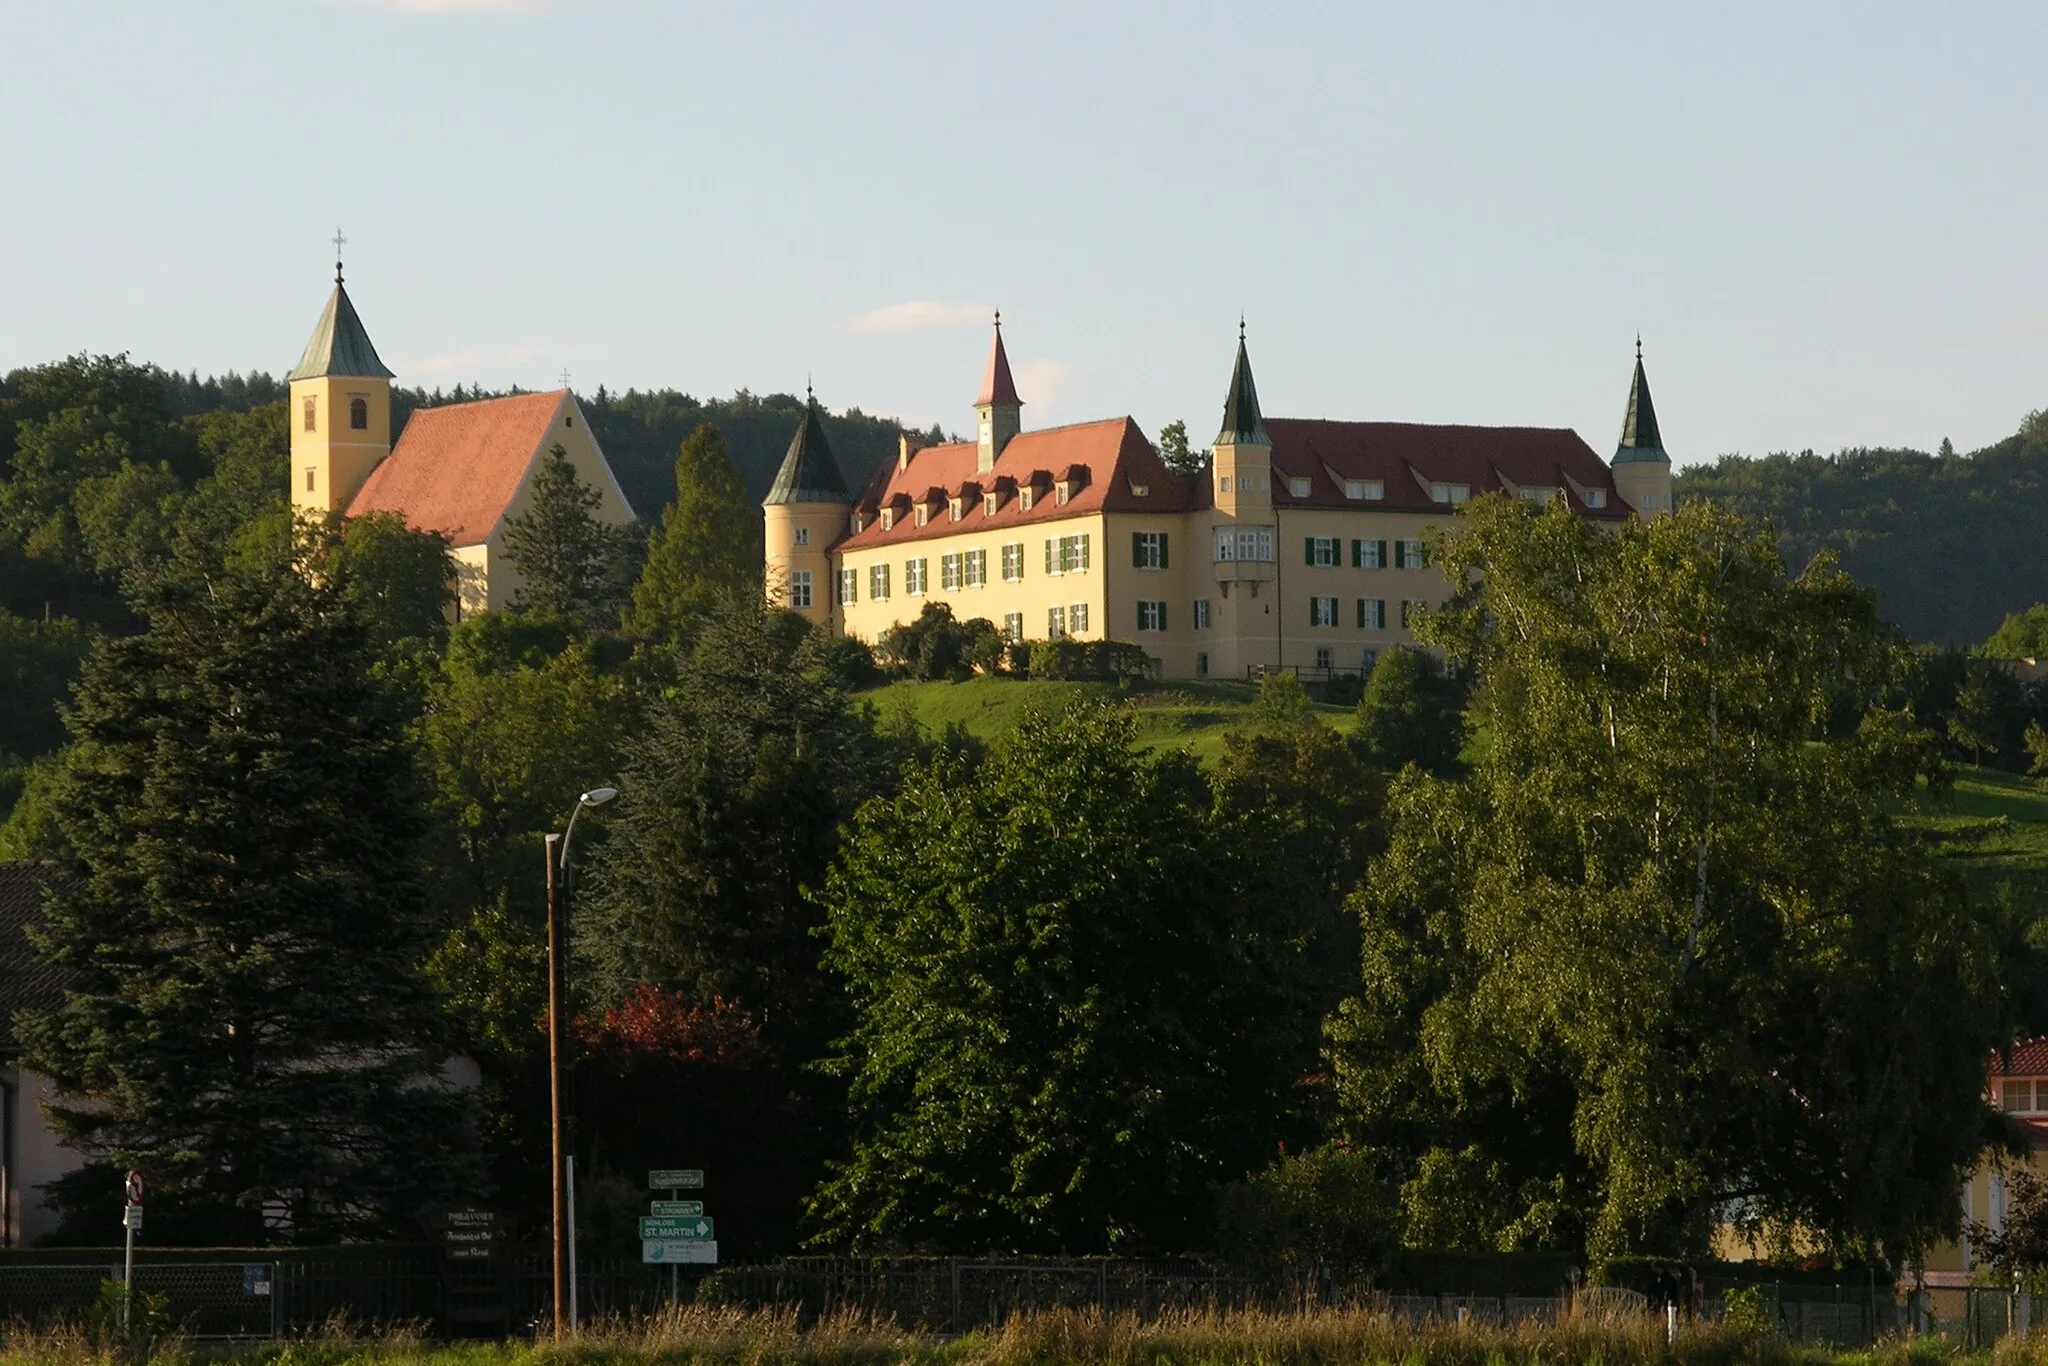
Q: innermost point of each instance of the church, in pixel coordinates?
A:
(464, 470)
(1300, 545)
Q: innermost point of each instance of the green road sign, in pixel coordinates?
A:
(675, 1209)
(676, 1179)
(670, 1230)
(673, 1252)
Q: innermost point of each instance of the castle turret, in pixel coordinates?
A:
(1242, 453)
(340, 409)
(1642, 471)
(999, 413)
(1243, 532)
(805, 512)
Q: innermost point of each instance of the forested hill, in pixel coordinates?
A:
(1952, 543)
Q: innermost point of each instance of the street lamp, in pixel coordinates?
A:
(557, 848)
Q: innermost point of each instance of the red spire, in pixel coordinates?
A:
(997, 388)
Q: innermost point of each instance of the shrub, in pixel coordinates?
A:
(1100, 661)
(1326, 1208)
(937, 646)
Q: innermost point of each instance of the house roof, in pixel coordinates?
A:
(1407, 457)
(2027, 1058)
(457, 468)
(809, 474)
(339, 345)
(1640, 439)
(26, 982)
(997, 388)
(1108, 459)
(1242, 425)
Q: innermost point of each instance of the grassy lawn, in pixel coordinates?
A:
(1192, 716)
(1995, 827)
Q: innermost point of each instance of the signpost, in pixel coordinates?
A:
(675, 1232)
(696, 1230)
(468, 1234)
(674, 1209)
(131, 1223)
(674, 1252)
(675, 1179)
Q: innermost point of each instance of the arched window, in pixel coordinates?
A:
(309, 414)
(359, 414)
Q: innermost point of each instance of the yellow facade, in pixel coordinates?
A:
(487, 578)
(798, 539)
(332, 455)
(1024, 603)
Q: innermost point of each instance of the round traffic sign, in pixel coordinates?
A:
(134, 1188)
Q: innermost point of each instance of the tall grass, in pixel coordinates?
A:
(711, 1336)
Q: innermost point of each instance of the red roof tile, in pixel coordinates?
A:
(1408, 456)
(2027, 1058)
(1115, 453)
(456, 469)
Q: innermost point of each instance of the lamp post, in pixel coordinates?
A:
(557, 849)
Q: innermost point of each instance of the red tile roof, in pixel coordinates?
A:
(456, 469)
(1114, 452)
(2027, 1058)
(1408, 456)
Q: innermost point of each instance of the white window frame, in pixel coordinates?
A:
(1201, 614)
(878, 583)
(1151, 614)
(1365, 490)
(1013, 562)
(1329, 551)
(1596, 499)
(1408, 555)
(1253, 543)
(950, 575)
(1056, 623)
(976, 567)
(1369, 552)
(916, 576)
(1322, 611)
(803, 535)
(1013, 626)
(800, 589)
(1151, 549)
(1300, 487)
(1077, 619)
(1374, 610)
(849, 586)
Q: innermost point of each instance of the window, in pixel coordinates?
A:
(1225, 481)
(878, 583)
(800, 588)
(1450, 493)
(949, 572)
(914, 576)
(988, 504)
(1596, 498)
(1368, 554)
(1077, 618)
(803, 535)
(919, 514)
(1299, 486)
(1369, 658)
(1408, 555)
(309, 478)
(1540, 497)
(2020, 1095)
(977, 568)
(849, 585)
(1151, 615)
(1202, 665)
(1140, 490)
(1201, 614)
(1324, 552)
(1025, 496)
(1013, 627)
(1148, 550)
(1372, 614)
(1322, 656)
(888, 518)
(1364, 489)
(1244, 543)
(309, 415)
(359, 414)
(1055, 623)
(955, 508)
(1066, 555)
(1322, 611)
(1013, 562)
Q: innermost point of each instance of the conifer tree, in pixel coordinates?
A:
(708, 545)
(247, 1022)
(569, 562)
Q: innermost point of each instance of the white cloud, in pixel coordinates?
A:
(920, 315)
(1039, 382)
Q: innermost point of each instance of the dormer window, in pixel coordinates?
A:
(1298, 486)
(1540, 497)
(1225, 481)
(988, 505)
(953, 509)
(1024, 497)
(1450, 493)
(1365, 490)
(1060, 492)
(853, 523)
(919, 514)
(888, 519)
(1596, 498)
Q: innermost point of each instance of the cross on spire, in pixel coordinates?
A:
(1240, 326)
(1639, 346)
(339, 242)
(565, 377)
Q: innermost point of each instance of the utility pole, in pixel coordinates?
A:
(557, 1009)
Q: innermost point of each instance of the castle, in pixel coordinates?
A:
(1082, 532)
(465, 470)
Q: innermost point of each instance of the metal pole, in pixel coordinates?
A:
(574, 1317)
(557, 1009)
(127, 1272)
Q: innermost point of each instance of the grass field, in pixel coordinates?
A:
(1177, 715)
(1995, 827)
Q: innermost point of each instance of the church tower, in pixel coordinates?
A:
(999, 413)
(1642, 471)
(340, 409)
(1247, 574)
(1242, 454)
(804, 513)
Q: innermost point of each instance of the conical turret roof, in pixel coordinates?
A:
(1242, 424)
(808, 474)
(339, 346)
(1640, 439)
(998, 390)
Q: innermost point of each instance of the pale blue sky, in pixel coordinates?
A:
(1827, 220)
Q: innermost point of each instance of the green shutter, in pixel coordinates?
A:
(1162, 616)
(1357, 553)
(1137, 550)
(1383, 554)
(1162, 550)
(1309, 549)
(1141, 614)
(1048, 554)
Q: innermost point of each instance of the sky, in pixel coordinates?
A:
(1826, 221)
